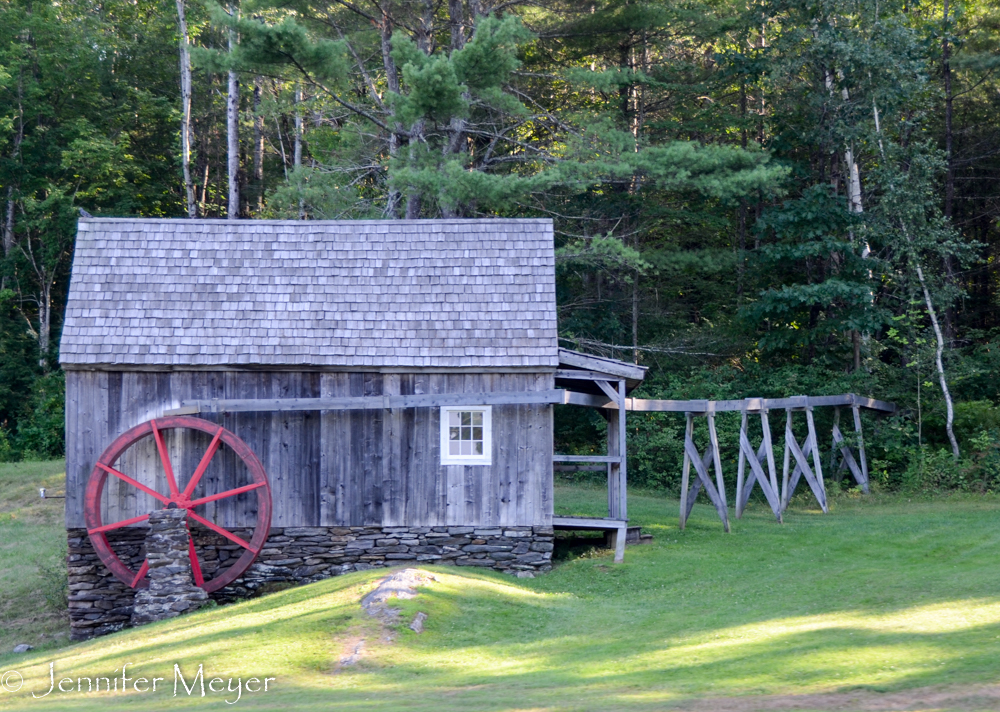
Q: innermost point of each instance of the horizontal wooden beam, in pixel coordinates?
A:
(598, 523)
(748, 404)
(586, 458)
(566, 397)
(423, 400)
(582, 375)
(575, 398)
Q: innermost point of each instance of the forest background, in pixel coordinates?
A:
(763, 198)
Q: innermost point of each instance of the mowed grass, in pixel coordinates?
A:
(32, 555)
(882, 594)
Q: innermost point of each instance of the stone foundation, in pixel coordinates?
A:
(100, 604)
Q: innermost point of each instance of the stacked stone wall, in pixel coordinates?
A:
(100, 604)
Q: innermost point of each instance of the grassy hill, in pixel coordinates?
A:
(885, 603)
(32, 556)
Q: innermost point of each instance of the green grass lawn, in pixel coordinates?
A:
(883, 594)
(32, 555)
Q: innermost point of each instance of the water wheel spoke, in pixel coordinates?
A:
(142, 572)
(219, 530)
(168, 469)
(118, 525)
(203, 465)
(199, 578)
(227, 493)
(135, 483)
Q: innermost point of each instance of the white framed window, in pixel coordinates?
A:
(466, 435)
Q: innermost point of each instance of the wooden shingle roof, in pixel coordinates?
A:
(422, 293)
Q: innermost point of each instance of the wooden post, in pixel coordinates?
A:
(618, 542)
(785, 494)
(817, 459)
(769, 450)
(740, 468)
(686, 473)
(834, 470)
(614, 468)
(861, 449)
(713, 440)
(617, 483)
(622, 453)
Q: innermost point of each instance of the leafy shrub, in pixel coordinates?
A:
(40, 432)
(54, 587)
(936, 470)
(973, 418)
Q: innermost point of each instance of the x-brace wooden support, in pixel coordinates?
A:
(716, 491)
(768, 482)
(847, 460)
(813, 475)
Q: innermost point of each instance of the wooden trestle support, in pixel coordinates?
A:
(751, 463)
(755, 466)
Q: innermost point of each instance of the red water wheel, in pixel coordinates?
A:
(177, 498)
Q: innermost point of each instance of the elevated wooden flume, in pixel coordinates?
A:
(795, 465)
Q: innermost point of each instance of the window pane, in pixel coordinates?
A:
(466, 433)
(454, 417)
(466, 447)
(453, 433)
(454, 448)
(466, 418)
(477, 434)
(477, 417)
(477, 448)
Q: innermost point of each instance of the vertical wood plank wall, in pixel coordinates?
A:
(330, 468)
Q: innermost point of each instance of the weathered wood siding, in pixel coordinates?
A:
(333, 468)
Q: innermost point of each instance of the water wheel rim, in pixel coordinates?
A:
(103, 468)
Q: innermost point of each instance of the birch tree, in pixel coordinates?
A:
(185, 72)
(233, 124)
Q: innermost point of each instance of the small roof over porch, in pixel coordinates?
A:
(579, 372)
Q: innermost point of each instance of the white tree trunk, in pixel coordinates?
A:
(233, 132)
(258, 145)
(8, 222)
(940, 364)
(928, 302)
(44, 323)
(186, 110)
(297, 150)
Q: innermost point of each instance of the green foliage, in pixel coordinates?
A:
(818, 282)
(600, 251)
(40, 433)
(435, 93)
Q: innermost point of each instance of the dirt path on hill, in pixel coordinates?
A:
(978, 698)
